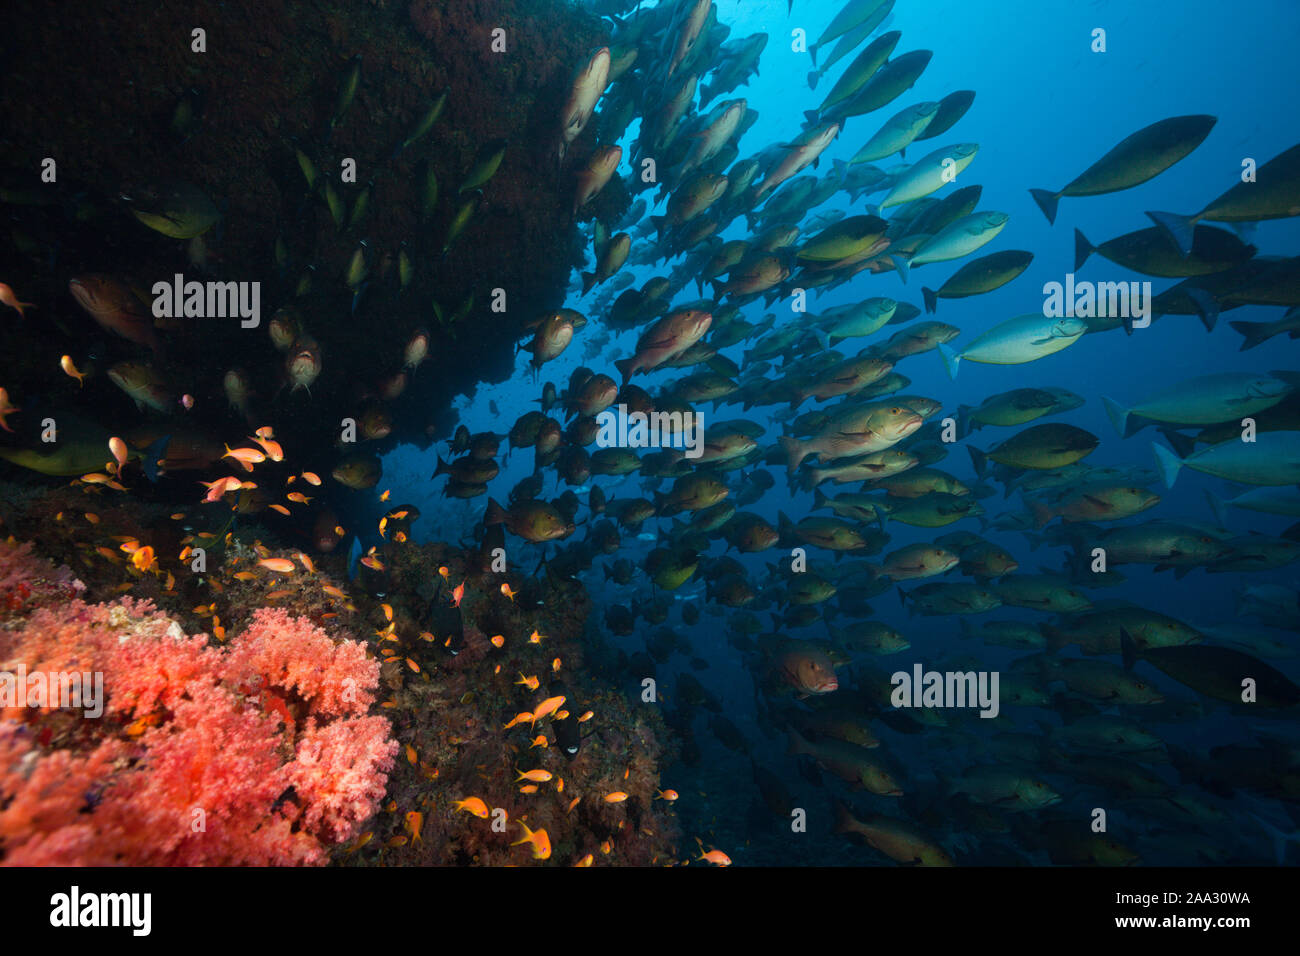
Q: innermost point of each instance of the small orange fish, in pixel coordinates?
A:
(282, 593)
(6, 409)
(245, 576)
(585, 861)
(536, 637)
(716, 857)
(372, 562)
(528, 788)
(505, 589)
(547, 707)
(519, 719)
(279, 509)
(539, 839)
(532, 683)
(278, 565)
(272, 448)
(539, 741)
(473, 805)
(118, 448)
(10, 298)
(92, 518)
(384, 495)
(586, 717)
(458, 594)
(573, 803)
(383, 526)
(306, 562)
(445, 573)
(311, 478)
(618, 796)
(411, 755)
(414, 822)
(606, 848)
(388, 611)
(333, 590)
(498, 640)
(298, 498)
(247, 457)
(669, 795)
(555, 666)
(68, 367)
(533, 776)
(412, 665)
(400, 537)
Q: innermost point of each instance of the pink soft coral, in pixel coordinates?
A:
(212, 767)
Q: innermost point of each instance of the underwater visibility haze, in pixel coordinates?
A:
(615, 433)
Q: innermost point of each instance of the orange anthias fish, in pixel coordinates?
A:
(458, 594)
(547, 707)
(10, 298)
(534, 776)
(278, 565)
(540, 841)
(67, 365)
(474, 805)
(519, 719)
(618, 796)
(531, 683)
(414, 822)
(247, 457)
(714, 856)
(6, 409)
(507, 591)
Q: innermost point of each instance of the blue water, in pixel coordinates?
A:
(1046, 108)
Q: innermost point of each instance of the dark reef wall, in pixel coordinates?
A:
(266, 87)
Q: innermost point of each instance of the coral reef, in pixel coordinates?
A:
(258, 752)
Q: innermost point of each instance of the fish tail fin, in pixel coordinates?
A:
(902, 265)
(823, 339)
(1179, 228)
(794, 451)
(1168, 463)
(1207, 307)
(813, 77)
(1117, 414)
(153, 458)
(951, 359)
(1183, 445)
(931, 299)
(1047, 203)
(1216, 508)
(1253, 333)
(1082, 249)
(1127, 648)
(588, 280)
(1280, 837)
(1042, 514)
(495, 514)
(625, 368)
(812, 52)
(979, 460)
(963, 420)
